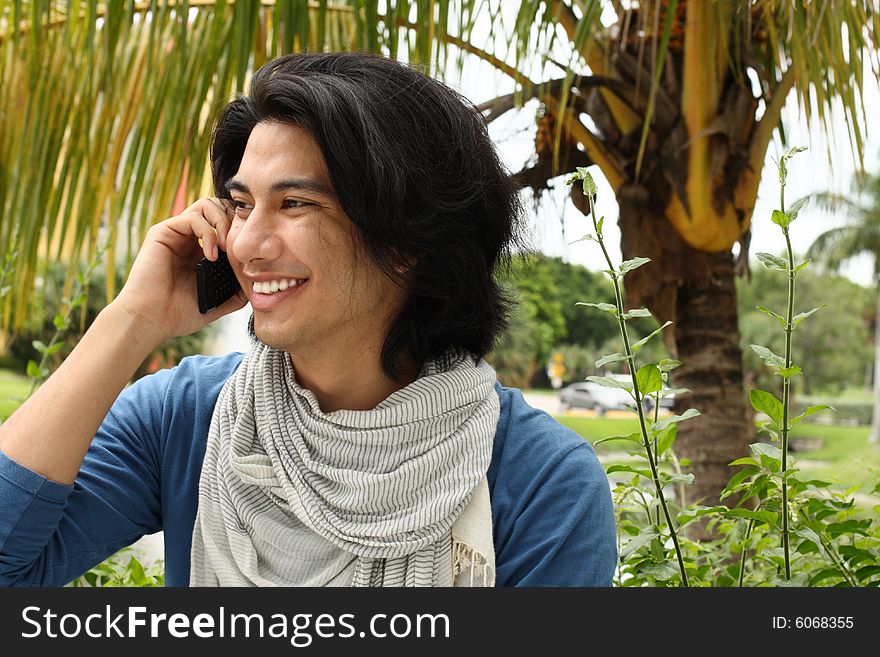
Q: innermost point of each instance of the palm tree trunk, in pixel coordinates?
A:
(707, 340)
(696, 291)
(874, 437)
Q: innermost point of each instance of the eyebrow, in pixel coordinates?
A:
(304, 184)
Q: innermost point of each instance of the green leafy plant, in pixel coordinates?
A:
(783, 530)
(648, 544)
(38, 372)
(780, 424)
(810, 528)
(118, 571)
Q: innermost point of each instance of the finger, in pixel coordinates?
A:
(216, 213)
(202, 229)
(219, 214)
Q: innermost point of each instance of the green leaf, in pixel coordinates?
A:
(692, 513)
(768, 356)
(666, 438)
(824, 574)
(788, 372)
(635, 263)
(868, 571)
(767, 311)
(40, 346)
(136, 572)
(809, 535)
(791, 152)
(662, 572)
(802, 265)
(809, 411)
(33, 370)
(649, 379)
(608, 382)
(637, 312)
(766, 449)
(770, 455)
(621, 467)
(780, 218)
(582, 174)
(848, 527)
(668, 364)
(856, 555)
(58, 346)
(61, 323)
(588, 237)
(638, 345)
(636, 436)
(766, 403)
(797, 319)
(599, 224)
(661, 425)
(684, 478)
(645, 536)
(607, 307)
(611, 358)
(771, 261)
(796, 207)
(737, 479)
(761, 515)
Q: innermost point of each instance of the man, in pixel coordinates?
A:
(361, 440)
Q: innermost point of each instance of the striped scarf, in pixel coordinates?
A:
(394, 496)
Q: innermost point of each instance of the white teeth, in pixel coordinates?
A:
(270, 287)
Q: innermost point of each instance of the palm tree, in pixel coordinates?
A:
(106, 112)
(677, 103)
(860, 236)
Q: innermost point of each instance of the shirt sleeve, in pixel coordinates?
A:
(564, 532)
(51, 533)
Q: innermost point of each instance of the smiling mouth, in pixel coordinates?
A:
(272, 287)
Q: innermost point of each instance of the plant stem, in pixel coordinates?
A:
(786, 392)
(657, 417)
(742, 561)
(630, 359)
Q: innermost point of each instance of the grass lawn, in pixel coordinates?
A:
(845, 456)
(13, 389)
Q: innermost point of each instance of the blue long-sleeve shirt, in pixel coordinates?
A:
(553, 523)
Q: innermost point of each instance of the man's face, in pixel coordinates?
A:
(290, 234)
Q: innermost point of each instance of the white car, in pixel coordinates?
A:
(592, 396)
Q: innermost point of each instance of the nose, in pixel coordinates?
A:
(254, 238)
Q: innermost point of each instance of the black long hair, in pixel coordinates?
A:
(414, 169)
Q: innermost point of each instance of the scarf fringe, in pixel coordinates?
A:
(470, 567)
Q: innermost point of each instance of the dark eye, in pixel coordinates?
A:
(239, 207)
(294, 203)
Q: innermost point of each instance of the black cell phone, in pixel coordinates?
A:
(215, 281)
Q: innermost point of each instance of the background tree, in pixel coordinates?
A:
(107, 110)
(832, 348)
(547, 320)
(860, 236)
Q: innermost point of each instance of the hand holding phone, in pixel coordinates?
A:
(216, 282)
